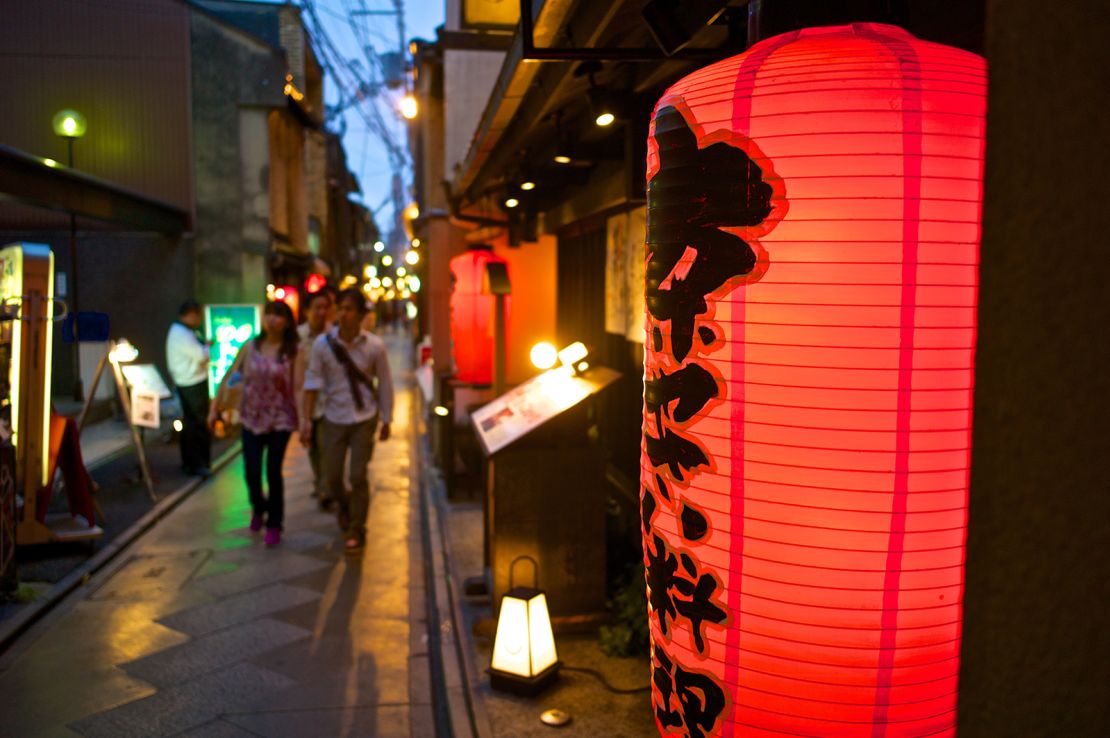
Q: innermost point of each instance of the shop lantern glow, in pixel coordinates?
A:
(472, 316)
(524, 660)
(812, 251)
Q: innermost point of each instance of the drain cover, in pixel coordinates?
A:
(555, 718)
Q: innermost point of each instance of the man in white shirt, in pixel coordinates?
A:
(187, 357)
(317, 308)
(348, 370)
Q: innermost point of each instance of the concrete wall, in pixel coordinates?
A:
(468, 80)
(236, 79)
(1036, 641)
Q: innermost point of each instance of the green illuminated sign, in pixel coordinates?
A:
(227, 327)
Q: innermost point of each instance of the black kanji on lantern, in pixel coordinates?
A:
(700, 700)
(695, 194)
(685, 592)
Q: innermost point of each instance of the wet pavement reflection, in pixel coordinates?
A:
(200, 630)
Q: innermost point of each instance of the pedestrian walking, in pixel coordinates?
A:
(187, 358)
(267, 368)
(348, 370)
(319, 305)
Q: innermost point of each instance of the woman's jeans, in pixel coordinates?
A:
(274, 444)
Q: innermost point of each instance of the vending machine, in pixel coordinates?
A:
(29, 311)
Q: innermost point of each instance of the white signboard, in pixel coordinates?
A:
(531, 404)
(145, 410)
(146, 378)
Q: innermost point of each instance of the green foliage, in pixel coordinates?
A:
(627, 635)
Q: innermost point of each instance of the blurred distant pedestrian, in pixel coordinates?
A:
(348, 370)
(187, 357)
(317, 308)
(267, 368)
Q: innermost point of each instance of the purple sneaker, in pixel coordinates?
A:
(273, 536)
(256, 522)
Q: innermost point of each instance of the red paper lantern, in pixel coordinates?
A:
(472, 316)
(813, 232)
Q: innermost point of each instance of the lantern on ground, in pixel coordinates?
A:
(524, 660)
(813, 231)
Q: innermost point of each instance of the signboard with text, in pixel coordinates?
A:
(227, 328)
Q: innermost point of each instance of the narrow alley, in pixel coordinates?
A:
(200, 630)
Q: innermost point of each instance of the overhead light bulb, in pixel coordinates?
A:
(605, 119)
(387, 260)
(401, 271)
(412, 258)
(543, 355)
(562, 159)
(379, 246)
(409, 108)
(416, 243)
(512, 202)
(528, 185)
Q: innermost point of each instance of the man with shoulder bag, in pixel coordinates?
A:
(348, 370)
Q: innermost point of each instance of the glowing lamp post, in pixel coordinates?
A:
(71, 125)
(524, 660)
(812, 251)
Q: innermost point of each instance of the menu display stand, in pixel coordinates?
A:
(545, 496)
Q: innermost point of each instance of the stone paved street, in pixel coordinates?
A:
(199, 630)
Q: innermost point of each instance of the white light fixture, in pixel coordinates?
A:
(379, 246)
(543, 355)
(573, 353)
(524, 659)
(605, 119)
(562, 159)
(178, 426)
(123, 352)
(412, 258)
(416, 243)
(527, 185)
(441, 411)
(387, 260)
(511, 202)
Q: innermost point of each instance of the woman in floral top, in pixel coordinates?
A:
(268, 412)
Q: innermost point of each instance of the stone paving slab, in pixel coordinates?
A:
(218, 729)
(257, 574)
(213, 652)
(238, 609)
(379, 721)
(186, 705)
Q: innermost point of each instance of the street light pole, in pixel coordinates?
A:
(70, 125)
(78, 384)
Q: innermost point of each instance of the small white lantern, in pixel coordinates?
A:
(524, 659)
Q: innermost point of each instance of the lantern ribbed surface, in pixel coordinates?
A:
(812, 273)
(472, 317)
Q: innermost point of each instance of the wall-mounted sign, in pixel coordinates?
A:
(490, 13)
(624, 274)
(227, 327)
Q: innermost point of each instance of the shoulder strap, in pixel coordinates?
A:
(354, 375)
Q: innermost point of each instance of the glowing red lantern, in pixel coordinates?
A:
(813, 231)
(472, 316)
(314, 283)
